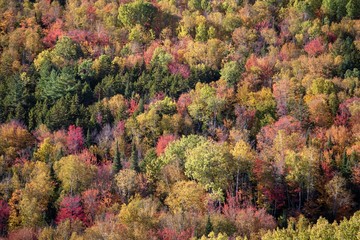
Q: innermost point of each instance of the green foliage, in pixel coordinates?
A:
(117, 166)
(221, 115)
(137, 12)
(206, 163)
(231, 72)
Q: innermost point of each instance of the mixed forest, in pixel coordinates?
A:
(179, 119)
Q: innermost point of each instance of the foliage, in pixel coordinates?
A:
(139, 119)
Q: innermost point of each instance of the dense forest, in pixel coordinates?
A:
(179, 119)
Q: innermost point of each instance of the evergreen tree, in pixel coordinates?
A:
(134, 164)
(208, 227)
(88, 138)
(353, 9)
(117, 160)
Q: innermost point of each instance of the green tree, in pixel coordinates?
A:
(117, 166)
(231, 72)
(134, 159)
(205, 105)
(137, 12)
(210, 164)
(352, 9)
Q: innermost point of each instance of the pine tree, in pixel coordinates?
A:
(208, 227)
(353, 9)
(117, 160)
(134, 159)
(345, 165)
(88, 138)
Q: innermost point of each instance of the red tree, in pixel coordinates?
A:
(71, 208)
(91, 203)
(314, 47)
(4, 216)
(163, 142)
(74, 139)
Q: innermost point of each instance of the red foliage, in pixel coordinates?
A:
(268, 133)
(343, 116)
(244, 117)
(183, 102)
(234, 203)
(178, 68)
(172, 234)
(314, 47)
(119, 129)
(133, 106)
(163, 142)
(273, 191)
(97, 39)
(90, 199)
(23, 234)
(281, 92)
(328, 172)
(103, 182)
(74, 139)
(275, 195)
(4, 216)
(88, 157)
(259, 70)
(150, 52)
(53, 33)
(71, 208)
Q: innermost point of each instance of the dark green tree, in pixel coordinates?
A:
(116, 167)
(134, 160)
(137, 12)
(208, 227)
(353, 9)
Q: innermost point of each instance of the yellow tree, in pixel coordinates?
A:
(74, 174)
(36, 196)
(244, 158)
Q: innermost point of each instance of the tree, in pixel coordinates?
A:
(74, 174)
(205, 105)
(231, 72)
(186, 196)
(91, 204)
(36, 196)
(163, 142)
(139, 216)
(338, 199)
(209, 164)
(175, 152)
(74, 139)
(16, 139)
(46, 151)
(244, 158)
(134, 159)
(117, 166)
(137, 12)
(352, 9)
(314, 47)
(127, 183)
(4, 217)
(208, 227)
(71, 208)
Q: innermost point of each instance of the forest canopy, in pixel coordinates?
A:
(179, 119)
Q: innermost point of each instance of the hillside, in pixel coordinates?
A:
(179, 119)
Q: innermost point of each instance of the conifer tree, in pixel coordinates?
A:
(208, 227)
(353, 9)
(117, 160)
(134, 164)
